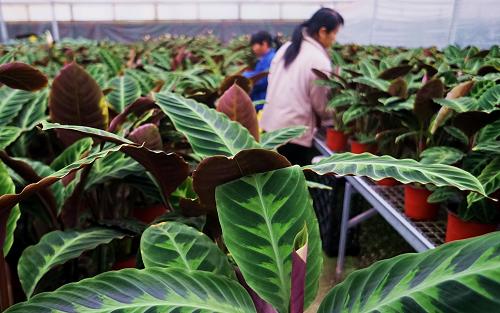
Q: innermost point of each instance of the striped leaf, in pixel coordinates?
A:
(354, 112)
(148, 290)
(33, 112)
(490, 178)
(72, 153)
(442, 194)
(347, 97)
(7, 186)
(11, 103)
(111, 61)
(274, 139)
(209, 132)
(457, 134)
(99, 73)
(125, 90)
(488, 146)
(43, 170)
(461, 277)
(114, 166)
(376, 83)
(368, 69)
(173, 244)
(403, 170)
(56, 248)
(441, 155)
(8, 134)
(260, 216)
(489, 133)
(144, 79)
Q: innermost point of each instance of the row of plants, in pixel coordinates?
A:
(236, 232)
(438, 107)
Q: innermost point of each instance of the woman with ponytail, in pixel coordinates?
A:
(293, 98)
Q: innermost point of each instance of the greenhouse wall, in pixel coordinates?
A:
(385, 22)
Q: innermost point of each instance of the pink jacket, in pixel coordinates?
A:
(293, 98)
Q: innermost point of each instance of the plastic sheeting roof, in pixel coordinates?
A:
(408, 23)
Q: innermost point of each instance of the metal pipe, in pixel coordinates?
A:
(3, 26)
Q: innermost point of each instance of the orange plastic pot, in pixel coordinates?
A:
(149, 214)
(458, 229)
(336, 140)
(416, 205)
(389, 181)
(130, 262)
(358, 148)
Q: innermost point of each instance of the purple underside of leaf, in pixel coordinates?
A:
(138, 107)
(18, 75)
(261, 306)
(298, 280)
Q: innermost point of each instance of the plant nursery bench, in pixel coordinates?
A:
(389, 203)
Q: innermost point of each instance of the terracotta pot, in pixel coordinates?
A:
(416, 205)
(336, 140)
(149, 214)
(358, 148)
(458, 229)
(130, 262)
(389, 181)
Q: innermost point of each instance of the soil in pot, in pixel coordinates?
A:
(416, 205)
(150, 213)
(336, 140)
(458, 229)
(357, 147)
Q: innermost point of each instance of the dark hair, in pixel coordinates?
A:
(324, 17)
(263, 36)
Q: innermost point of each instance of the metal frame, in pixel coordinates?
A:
(410, 231)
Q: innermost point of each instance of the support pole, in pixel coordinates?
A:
(55, 26)
(3, 27)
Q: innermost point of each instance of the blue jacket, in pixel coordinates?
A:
(260, 87)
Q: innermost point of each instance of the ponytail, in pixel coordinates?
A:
(324, 17)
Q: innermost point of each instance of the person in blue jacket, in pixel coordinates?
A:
(262, 47)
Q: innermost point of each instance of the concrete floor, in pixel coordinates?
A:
(327, 279)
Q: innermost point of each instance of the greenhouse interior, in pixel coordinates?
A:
(236, 156)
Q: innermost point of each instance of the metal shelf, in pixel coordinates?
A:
(389, 203)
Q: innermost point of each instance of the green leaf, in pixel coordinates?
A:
(489, 178)
(376, 83)
(99, 73)
(348, 97)
(279, 137)
(112, 62)
(7, 186)
(441, 155)
(403, 170)
(87, 130)
(8, 134)
(490, 99)
(56, 248)
(368, 69)
(489, 133)
(313, 184)
(148, 290)
(44, 170)
(114, 166)
(209, 132)
(33, 112)
(488, 146)
(11, 103)
(72, 153)
(125, 91)
(260, 216)
(146, 82)
(462, 277)
(442, 194)
(354, 112)
(173, 244)
(457, 134)
(460, 105)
